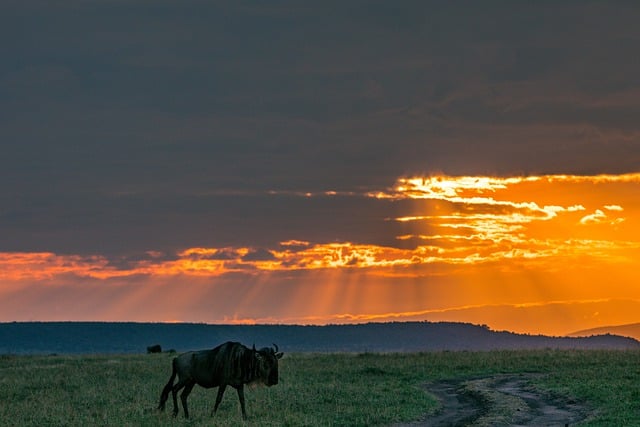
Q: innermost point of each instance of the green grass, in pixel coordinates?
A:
(314, 390)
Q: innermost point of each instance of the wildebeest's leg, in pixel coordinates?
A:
(184, 395)
(219, 397)
(165, 391)
(240, 390)
(174, 391)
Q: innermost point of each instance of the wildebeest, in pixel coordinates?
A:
(230, 363)
(156, 348)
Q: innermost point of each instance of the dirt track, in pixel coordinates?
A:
(501, 400)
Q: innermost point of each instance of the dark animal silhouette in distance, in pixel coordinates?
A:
(229, 364)
(156, 348)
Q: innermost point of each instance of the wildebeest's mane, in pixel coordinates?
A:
(236, 361)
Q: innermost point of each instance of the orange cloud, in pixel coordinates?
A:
(45, 265)
(487, 220)
(599, 217)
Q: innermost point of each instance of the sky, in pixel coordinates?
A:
(321, 162)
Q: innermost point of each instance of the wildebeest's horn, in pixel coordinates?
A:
(276, 347)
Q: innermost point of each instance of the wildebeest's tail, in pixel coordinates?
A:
(167, 388)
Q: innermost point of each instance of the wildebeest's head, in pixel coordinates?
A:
(267, 359)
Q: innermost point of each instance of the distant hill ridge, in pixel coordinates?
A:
(98, 337)
(630, 330)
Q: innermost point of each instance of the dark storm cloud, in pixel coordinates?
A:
(135, 224)
(124, 124)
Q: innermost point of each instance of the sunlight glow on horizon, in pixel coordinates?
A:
(501, 245)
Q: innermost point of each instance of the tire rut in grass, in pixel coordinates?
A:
(500, 400)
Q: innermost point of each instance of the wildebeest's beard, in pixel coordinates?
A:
(273, 376)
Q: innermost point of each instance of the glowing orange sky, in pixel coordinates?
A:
(540, 254)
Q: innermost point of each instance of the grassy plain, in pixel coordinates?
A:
(314, 390)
